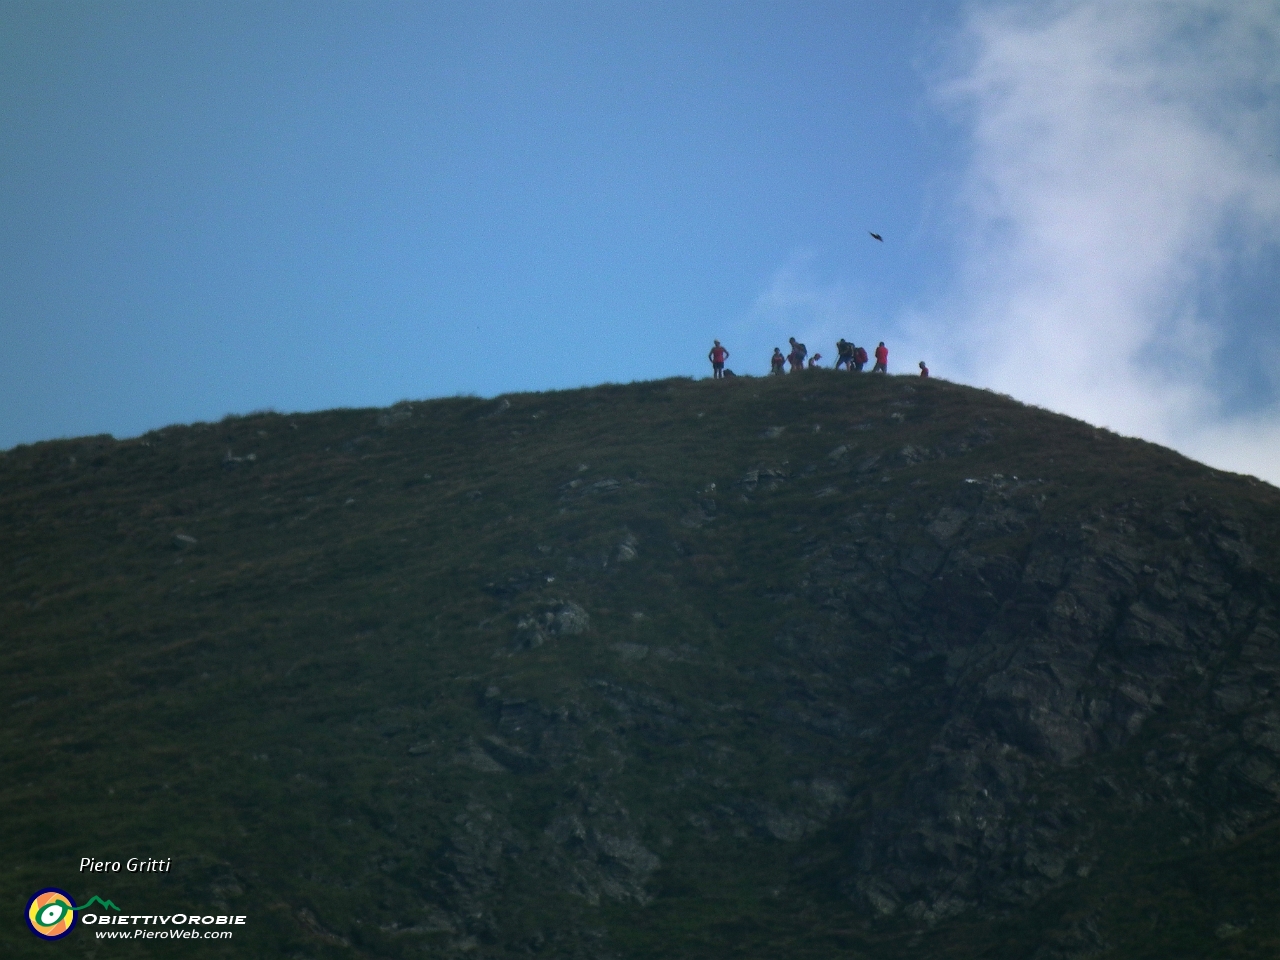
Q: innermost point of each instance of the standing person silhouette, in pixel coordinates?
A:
(777, 362)
(717, 356)
(924, 371)
(797, 355)
(882, 359)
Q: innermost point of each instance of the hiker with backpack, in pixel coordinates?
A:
(717, 356)
(777, 362)
(859, 358)
(844, 354)
(882, 359)
(798, 352)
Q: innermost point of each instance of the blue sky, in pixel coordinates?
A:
(221, 207)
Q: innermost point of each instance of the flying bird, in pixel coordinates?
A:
(876, 236)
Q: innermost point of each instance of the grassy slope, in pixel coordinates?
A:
(247, 704)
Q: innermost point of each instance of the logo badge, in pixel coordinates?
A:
(51, 914)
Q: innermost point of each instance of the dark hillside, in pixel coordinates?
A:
(817, 666)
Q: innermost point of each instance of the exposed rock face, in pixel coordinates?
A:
(598, 852)
(557, 618)
(1050, 646)
(1050, 658)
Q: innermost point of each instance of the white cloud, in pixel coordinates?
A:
(1119, 173)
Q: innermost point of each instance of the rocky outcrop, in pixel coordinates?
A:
(1055, 652)
(597, 851)
(555, 618)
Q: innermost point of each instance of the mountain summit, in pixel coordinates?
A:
(825, 665)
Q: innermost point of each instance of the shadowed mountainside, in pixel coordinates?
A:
(815, 666)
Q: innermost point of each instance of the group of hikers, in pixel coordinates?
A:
(852, 358)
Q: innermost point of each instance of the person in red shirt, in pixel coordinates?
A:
(924, 371)
(717, 356)
(882, 359)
